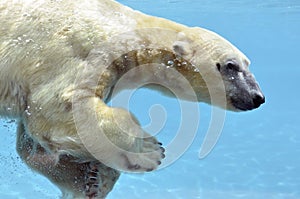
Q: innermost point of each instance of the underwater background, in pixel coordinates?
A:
(258, 153)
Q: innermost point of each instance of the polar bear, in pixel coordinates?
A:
(60, 64)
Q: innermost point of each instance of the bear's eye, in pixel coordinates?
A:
(232, 65)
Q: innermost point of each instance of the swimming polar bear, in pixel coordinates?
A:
(60, 63)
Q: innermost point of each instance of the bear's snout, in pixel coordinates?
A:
(258, 99)
(243, 98)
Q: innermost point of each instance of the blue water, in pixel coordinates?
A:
(258, 153)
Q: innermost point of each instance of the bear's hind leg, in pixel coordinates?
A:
(76, 180)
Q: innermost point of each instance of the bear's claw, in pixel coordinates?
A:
(148, 159)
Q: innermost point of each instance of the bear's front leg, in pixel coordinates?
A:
(75, 179)
(114, 137)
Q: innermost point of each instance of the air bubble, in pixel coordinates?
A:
(196, 70)
(29, 40)
(38, 64)
(27, 112)
(26, 15)
(170, 62)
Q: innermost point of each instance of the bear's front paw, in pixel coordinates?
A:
(147, 158)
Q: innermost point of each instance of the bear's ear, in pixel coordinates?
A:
(182, 45)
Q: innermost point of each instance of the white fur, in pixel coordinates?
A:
(54, 77)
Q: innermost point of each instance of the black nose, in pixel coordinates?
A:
(258, 100)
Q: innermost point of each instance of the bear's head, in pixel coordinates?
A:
(222, 68)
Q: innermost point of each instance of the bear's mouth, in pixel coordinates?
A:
(247, 104)
(242, 107)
